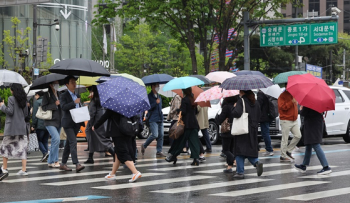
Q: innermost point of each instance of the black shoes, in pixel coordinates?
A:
(89, 161)
(208, 150)
(171, 158)
(259, 168)
(45, 157)
(195, 162)
(3, 176)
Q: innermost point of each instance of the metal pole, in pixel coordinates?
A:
(331, 68)
(35, 25)
(344, 66)
(296, 47)
(246, 41)
(111, 54)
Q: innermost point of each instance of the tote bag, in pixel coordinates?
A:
(240, 125)
(44, 115)
(80, 115)
(178, 129)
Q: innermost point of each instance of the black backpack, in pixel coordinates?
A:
(273, 107)
(129, 126)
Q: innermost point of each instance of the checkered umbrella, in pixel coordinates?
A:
(246, 82)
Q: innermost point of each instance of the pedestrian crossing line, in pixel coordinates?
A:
(333, 174)
(29, 159)
(245, 168)
(95, 180)
(173, 168)
(66, 175)
(153, 182)
(153, 164)
(17, 168)
(211, 186)
(263, 189)
(319, 195)
(64, 199)
(285, 171)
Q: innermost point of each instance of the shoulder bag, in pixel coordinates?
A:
(240, 125)
(225, 126)
(44, 115)
(177, 129)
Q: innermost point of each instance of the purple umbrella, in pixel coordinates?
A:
(123, 96)
(246, 82)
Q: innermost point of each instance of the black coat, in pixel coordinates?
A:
(313, 126)
(226, 112)
(49, 103)
(112, 125)
(247, 145)
(67, 103)
(188, 113)
(264, 106)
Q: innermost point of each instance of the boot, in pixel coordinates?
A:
(90, 159)
(195, 162)
(171, 158)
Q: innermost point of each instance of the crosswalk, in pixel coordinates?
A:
(160, 177)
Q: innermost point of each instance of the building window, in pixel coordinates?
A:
(297, 7)
(314, 5)
(346, 16)
(331, 3)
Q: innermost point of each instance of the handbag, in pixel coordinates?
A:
(225, 126)
(80, 115)
(240, 125)
(177, 129)
(44, 115)
(63, 135)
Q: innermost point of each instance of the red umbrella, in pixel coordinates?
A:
(196, 91)
(311, 92)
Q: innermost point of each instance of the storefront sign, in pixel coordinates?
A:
(103, 63)
(314, 70)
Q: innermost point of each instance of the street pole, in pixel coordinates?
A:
(330, 68)
(296, 47)
(344, 66)
(246, 41)
(35, 25)
(112, 47)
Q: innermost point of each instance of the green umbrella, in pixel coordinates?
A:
(283, 77)
(125, 75)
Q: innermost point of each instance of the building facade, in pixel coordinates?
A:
(318, 8)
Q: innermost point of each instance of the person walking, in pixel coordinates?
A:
(69, 100)
(288, 110)
(97, 142)
(188, 112)
(173, 116)
(246, 146)
(203, 123)
(15, 141)
(155, 118)
(313, 134)
(38, 126)
(51, 102)
(226, 138)
(265, 122)
(124, 145)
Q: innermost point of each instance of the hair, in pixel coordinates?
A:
(19, 94)
(250, 95)
(230, 100)
(153, 84)
(67, 79)
(96, 96)
(40, 93)
(188, 93)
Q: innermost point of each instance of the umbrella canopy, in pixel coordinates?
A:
(78, 66)
(8, 77)
(31, 93)
(166, 93)
(216, 93)
(246, 82)
(123, 96)
(80, 89)
(157, 78)
(283, 77)
(219, 76)
(249, 72)
(311, 92)
(125, 75)
(182, 83)
(273, 91)
(196, 91)
(202, 78)
(44, 81)
(87, 81)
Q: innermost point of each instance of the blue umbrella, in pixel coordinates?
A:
(157, 78)
(182, 83)
(246, 82)
(249, 72)
(123, 96)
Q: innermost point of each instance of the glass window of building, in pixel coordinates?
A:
(314, 5)
(297, 9)
(331, 3)
(347, 16)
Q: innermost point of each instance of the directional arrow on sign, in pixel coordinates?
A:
(290, 41)
(325, 39)
(65, 14)
(263, 38)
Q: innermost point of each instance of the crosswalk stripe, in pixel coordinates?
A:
(333, 174)
(72, 174)
(153, 164)
(285, 171)
(319, 195)
(186, 167)
(269, 188)
(17, 168)
(153, 182)
(210, 186)
(97, 159)
(245, 168)
(95, 180)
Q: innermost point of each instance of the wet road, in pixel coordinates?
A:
(164, 182)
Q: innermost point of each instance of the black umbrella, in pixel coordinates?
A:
(44, 81)
(78, 66)
(202, 78)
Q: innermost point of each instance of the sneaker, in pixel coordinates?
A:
(285, 159)
(142, 149)
(268, 153)
(134, 177)
(4, 170)
(160, 154)
(45, 157)
(22, 173)
(222, 155)
(208, 150)
(259, 168)
(202, 158)
(110, 177)
(326, 170)
(228, 170)
(238, 176)
(54, 165)
(3, 176)
(301, 168)
(290, 155)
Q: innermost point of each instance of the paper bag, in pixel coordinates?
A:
(80, 115)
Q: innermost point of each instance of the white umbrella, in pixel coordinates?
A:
(8, 77)
(79, 89)
(273, 91)
(31, 93)
(166, 93)
(219, 76)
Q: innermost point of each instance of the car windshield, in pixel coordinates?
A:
(213, 102)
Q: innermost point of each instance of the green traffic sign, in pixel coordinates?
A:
(299, 34)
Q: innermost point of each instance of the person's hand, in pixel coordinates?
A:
(57, 102)
(294, 101)
(235, 105)
(158, 101)
(77, 101)
(1, 103)
(301, 108)
(93, 128)
(32, 128)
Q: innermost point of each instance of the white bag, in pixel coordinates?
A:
(80, 115)
(240, 125)
(44, 115)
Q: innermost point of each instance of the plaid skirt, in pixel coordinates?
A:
(14, 147)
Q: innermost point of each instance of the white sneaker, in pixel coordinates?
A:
(296, 149)
(110, 177)
(268, 153)
(22, 173)
(134, 177)
(4, 170)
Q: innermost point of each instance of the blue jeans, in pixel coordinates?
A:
(206, 138)
(157, 132)
(240, 163)
(265, 133)
(43, 139)
(55, 142)
(319, 153)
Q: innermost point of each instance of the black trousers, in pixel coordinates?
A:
(227, 149)
(71, 145)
